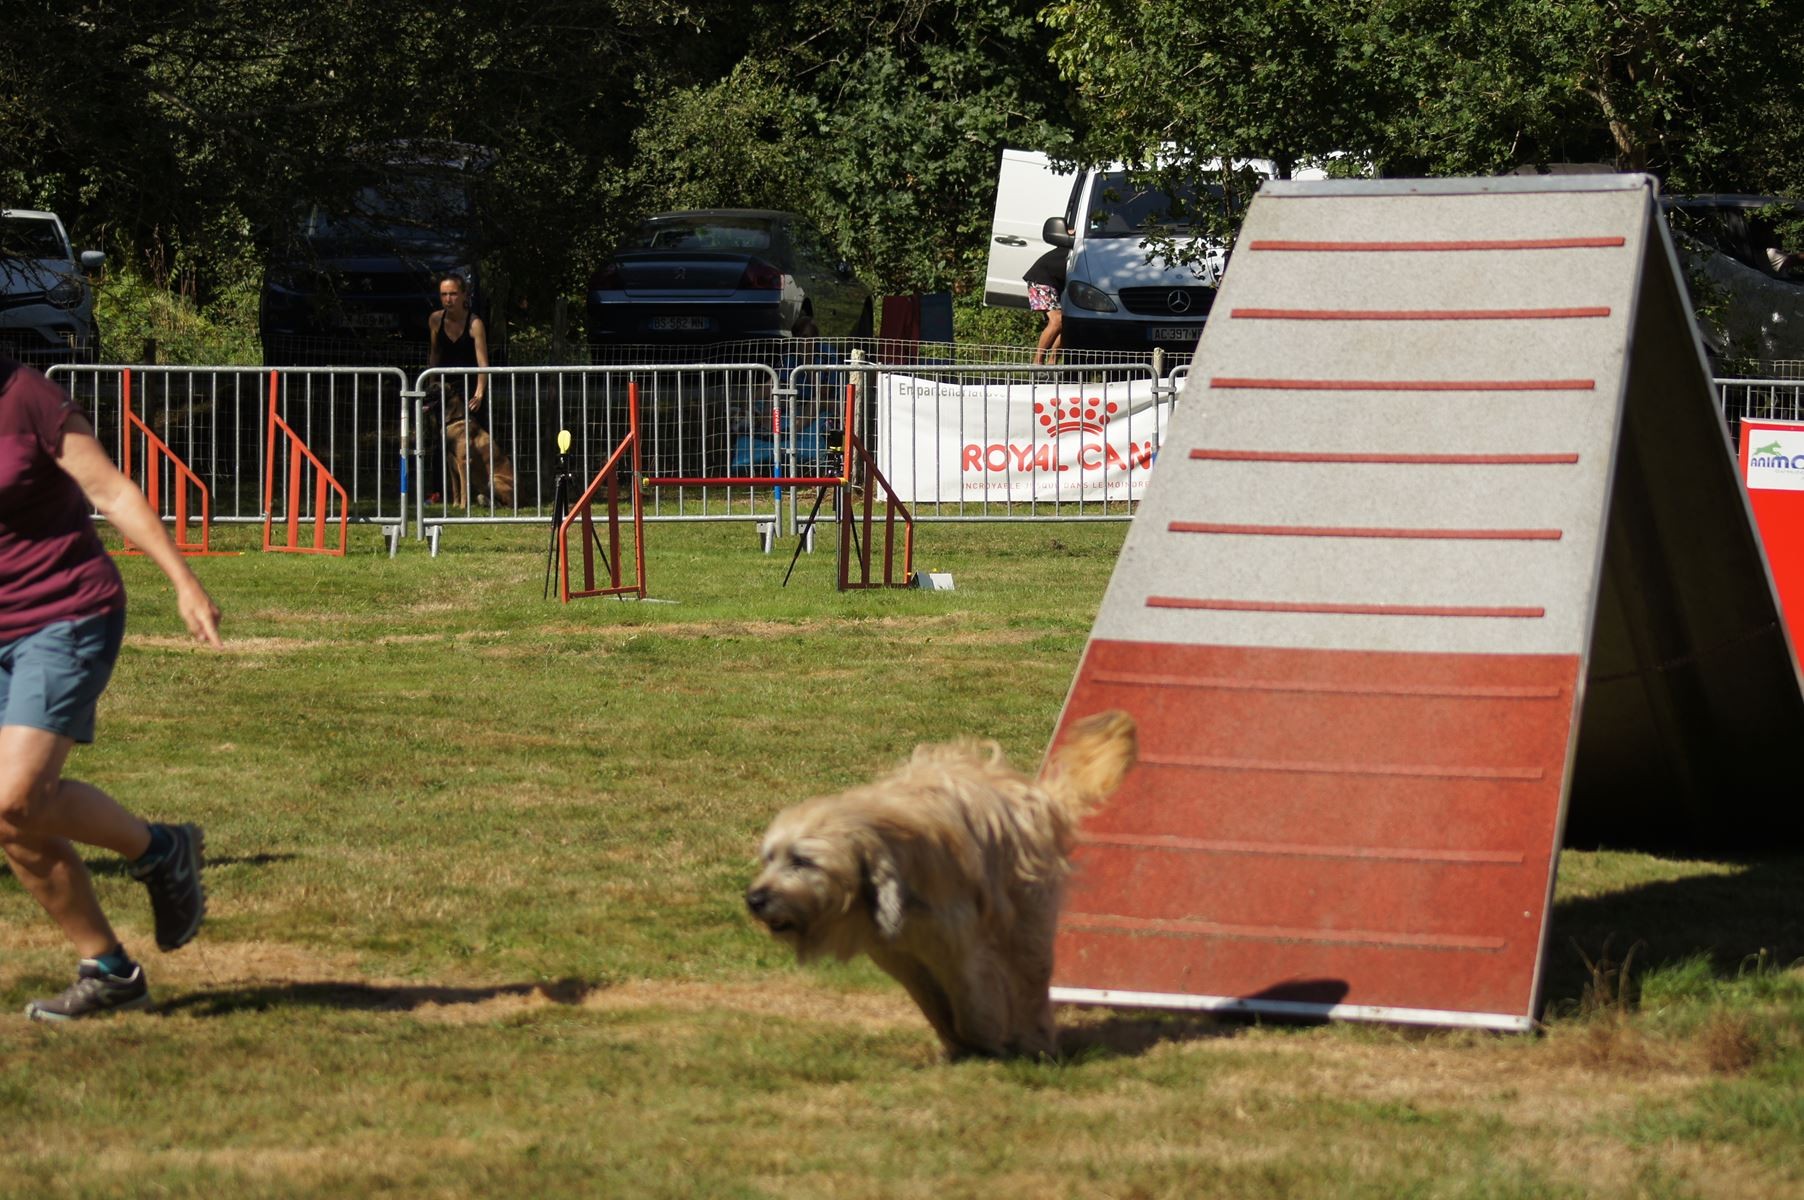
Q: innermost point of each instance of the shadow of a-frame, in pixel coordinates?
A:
(1753, 913)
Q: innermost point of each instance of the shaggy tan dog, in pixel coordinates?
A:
(463, 452)
(949, 874)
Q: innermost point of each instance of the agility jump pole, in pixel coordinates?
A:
(155, 449)
(323, 485)
(848, 539)
(582, 509)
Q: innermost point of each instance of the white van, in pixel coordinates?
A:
(1114, 299)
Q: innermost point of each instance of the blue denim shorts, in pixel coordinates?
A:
(52, 679)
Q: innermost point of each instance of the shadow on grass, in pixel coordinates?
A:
(348, 996)
(114, 865)
(1133, 1032)
(1730, 918)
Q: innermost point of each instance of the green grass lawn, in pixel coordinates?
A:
(476, 925)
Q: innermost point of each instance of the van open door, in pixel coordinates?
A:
(1028, 191)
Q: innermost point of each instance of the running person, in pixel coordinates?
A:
(62, 616)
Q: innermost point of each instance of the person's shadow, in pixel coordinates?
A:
(114, 865)
(350, 996)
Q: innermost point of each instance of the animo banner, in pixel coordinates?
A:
(1772, 467)
(946, 443)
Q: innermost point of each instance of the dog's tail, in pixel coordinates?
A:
(1096, 754)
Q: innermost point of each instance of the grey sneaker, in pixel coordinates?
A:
(176, 897)
(94, 993)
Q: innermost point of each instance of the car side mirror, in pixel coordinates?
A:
(1056, 233)
(93, 261)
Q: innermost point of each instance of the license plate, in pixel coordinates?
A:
(370, 320)
(678, 324)
(1174, 333)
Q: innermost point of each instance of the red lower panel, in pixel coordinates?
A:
(1335, 826)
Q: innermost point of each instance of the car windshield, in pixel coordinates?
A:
(409, 211)
(700, 234)
(1121, 208)
(30, 237)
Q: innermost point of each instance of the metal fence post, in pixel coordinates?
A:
(860, 385)
(414, 488)
(783, 442)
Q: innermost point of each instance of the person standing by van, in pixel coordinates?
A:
(62, 617)
(1045, 284)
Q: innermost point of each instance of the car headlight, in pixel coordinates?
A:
(1086, 296)
(66, 293)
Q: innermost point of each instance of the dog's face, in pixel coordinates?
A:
(819, 881)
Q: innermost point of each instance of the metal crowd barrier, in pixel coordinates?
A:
(695, 420)
(386, 441)
(1758, 399)
(216, 421)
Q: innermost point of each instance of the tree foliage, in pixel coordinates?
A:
(1700, 92)
(181, 134)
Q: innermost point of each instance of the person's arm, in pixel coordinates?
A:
(480, 333)
(120, 502)
(432, 324)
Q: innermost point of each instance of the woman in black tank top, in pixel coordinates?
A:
(459, 341)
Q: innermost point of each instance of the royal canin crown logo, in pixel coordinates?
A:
(1074, 415)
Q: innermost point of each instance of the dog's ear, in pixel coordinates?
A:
(883, 883)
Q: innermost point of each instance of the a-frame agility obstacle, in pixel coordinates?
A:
(1445, 535)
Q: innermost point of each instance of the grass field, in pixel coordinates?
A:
(476, 926)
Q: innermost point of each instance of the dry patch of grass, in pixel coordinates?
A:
(233, 645)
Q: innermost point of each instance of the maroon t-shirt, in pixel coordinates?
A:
(52, 564)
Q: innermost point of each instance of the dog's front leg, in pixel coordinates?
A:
(1027, 964)
(924, 990)
(980, 998)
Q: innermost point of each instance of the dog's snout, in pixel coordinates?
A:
(757, 899)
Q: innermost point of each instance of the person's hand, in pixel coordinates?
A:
(199, 612)
(475, 401)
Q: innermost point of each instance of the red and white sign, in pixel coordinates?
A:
(946, 443)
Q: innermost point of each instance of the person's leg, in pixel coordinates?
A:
(50, 682)
(40, 813)
(1055, 333)
(1046, 335)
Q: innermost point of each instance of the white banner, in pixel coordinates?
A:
(950, 443)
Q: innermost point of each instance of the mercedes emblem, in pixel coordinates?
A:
(1178, 300)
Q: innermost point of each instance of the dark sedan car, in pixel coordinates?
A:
(358, 287)
(724, 274)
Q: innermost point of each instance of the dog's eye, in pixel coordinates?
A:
(800, 861)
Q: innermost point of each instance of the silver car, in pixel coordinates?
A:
(46, 304)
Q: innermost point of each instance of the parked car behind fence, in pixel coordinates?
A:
(1748, 294)
(352, 284)
(46, 303)
(688, 278)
